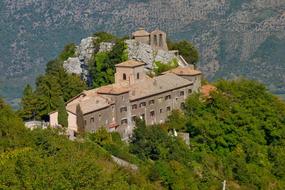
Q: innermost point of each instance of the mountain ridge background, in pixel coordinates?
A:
(235, 38)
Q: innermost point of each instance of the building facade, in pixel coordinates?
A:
(134, 94)
(156, 39)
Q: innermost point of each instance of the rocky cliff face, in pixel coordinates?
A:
(136, 51)
(145, 53)
(79, 64)
(235, 37)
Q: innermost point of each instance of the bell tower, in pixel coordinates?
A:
(129, 72)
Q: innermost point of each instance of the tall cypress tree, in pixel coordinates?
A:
(62, 114)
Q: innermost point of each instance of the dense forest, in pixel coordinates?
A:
(237, 134)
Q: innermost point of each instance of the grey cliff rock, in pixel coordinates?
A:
(73, 65)
(145, 53)
(86, 49)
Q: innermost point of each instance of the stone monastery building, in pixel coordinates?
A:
(134, 94)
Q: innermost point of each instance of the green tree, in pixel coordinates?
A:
(176, 120)
(186, 49)
(48, 92)
(68, 51)
(102, 64)
(28, 104)
(28, 158)
(71, 86)
(62, 113)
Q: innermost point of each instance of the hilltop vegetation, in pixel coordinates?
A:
(42, 159)
(237, 134)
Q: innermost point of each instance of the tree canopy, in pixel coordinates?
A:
(102, 64)
(43, 159)
(236, 134)
(54, 85)
(186, 49)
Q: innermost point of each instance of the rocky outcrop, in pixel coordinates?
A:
(79, 64)
(73, 65)
(145, 53)
(136, 51)
(86, 49)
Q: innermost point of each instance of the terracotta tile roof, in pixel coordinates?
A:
(130, 63)
(140, 32)
(71, 108)
(93, 104)
(207, 89)
(112, 89)
(185, 71)
(152, 86)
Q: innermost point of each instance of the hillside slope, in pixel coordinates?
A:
(233, 36)
(237, 135)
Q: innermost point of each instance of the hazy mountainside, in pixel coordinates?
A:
(235, 37)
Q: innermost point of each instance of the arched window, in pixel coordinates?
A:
(155, 40)
(138, 75)
(124, 76)
(160, 40)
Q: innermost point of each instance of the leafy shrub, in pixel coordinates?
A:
(160, 67)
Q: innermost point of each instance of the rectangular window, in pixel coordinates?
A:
(151, 102)
(189, 91)
(168, 109)
(100, 116)
(142, 104)
(168, 97)
(181, 93)
(160, 111)
(123, 109)
(124, 121)
(152, 114)
(134, 106)
(160, 99)
(92, 120)
(85, 122)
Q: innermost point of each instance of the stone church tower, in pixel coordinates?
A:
(156, 39)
